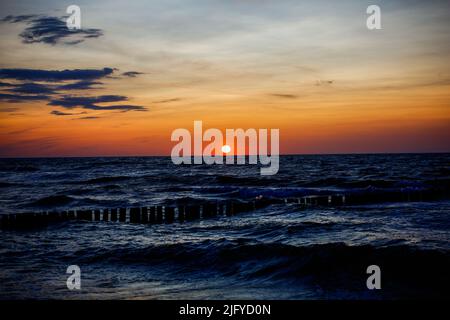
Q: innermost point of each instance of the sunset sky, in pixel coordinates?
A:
(137, 70)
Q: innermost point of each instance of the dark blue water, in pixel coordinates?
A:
(282, 251)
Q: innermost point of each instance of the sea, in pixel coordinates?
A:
(280, 251)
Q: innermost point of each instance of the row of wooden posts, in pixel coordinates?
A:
(158, 213)
(145, 214)
(180, 213)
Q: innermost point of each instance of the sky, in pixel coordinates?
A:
(137, 70)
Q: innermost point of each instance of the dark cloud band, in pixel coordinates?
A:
(91, 103)
(48, 85)
(54, 75)
(16, 98)
(51, 30)
(131, 74)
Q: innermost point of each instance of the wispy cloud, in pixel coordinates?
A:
(168, 100)
(52, 86)
(16, 98)
(284, 95)
(32, 88)
(91, 103)
(80, 85)
(51, 30)
(60, 113)
(55, 81)
(8, 109)
(87, 118)
(55, 75)
(131, 74)
(324, 82)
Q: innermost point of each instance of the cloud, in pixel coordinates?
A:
(59, 113)
(49, 85)
(32, 88)
(16, 98)
(284, 96)
(87, 118)
(9, 109)
(55, 75)
(20, 18)
(324, 82)
(131, 74)
(168, 100)
(80, 85)
(91, 103)
(42, 91)
(74, 101)
(84, 79)
(50, 30)
(16, 132)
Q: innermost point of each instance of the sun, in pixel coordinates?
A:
(226, 148)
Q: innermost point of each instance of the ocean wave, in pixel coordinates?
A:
(253, 180)
(69, 202)
(51, 201)
(334, 265)
(105, 179)
(10, 184)
(13, 167)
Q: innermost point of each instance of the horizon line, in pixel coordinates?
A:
(284, 154)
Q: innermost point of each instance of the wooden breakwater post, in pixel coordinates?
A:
(192, 212)
(234, 207)
(122, 215)
(97, 215)
(209, 209)
(90, 215)
(229, 208)
(320, 200)
(159, 214)
(114, 214)
(152, 214)
(52, 216)
(135, 215)
(64, 216)
(261, 202)
(239, 206)
(336, 200)
(22, 220)
(220, 208)
(144, 215)
(30, 220)
(317, 200)
(105, 215)
(84, 215)
(181, 213)
(8, 221)
(313, 200)
(169, 214)
(4, 221)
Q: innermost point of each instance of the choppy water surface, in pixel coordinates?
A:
(278, 252)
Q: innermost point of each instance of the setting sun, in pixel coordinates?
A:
(226, 148)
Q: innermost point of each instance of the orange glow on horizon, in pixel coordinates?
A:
(409, 125)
